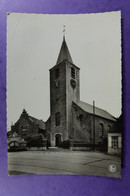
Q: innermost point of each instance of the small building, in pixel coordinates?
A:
(115, 138)
(29, 130)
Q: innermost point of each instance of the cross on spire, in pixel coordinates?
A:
(63, 32)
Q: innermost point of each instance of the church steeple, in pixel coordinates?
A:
(64, 89)
(64, 53)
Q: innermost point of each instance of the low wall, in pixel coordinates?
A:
(81, 148)
(36, 148)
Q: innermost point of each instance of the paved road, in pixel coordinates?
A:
(63, 162)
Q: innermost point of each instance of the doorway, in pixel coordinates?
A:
(57, 140)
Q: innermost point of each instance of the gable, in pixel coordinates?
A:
(25, 120)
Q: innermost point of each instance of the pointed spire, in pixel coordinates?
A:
(64, 53)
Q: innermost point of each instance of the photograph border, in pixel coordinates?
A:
(64, 184)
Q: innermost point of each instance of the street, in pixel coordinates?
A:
(63, 161)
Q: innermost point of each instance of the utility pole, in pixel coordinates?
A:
(94, 125)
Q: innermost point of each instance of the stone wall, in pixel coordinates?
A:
(58, 102)
(72, 94)
(36, 148)
(82, 129)
(61, 98)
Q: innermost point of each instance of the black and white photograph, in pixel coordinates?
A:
(64, 94)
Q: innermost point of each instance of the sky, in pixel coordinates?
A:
(33, 45)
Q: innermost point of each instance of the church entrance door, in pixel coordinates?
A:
(57, 140)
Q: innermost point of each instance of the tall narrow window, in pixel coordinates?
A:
(101, 130)
(57, 73)
(81, 119)
(57, 119)
(72, 72)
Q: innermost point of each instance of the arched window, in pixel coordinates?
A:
(72, 72)
(57, 73)
(81, 119)
(57, 100)
(57, 119)
(101, 130)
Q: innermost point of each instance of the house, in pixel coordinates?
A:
(115, 137)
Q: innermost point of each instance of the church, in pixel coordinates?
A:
(71, 121)
(70, 118)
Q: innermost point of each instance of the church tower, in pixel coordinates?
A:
(64, 89)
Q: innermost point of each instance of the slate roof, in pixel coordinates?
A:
(41, 123)
(98, 111)
(64, 53)
(118, 126)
